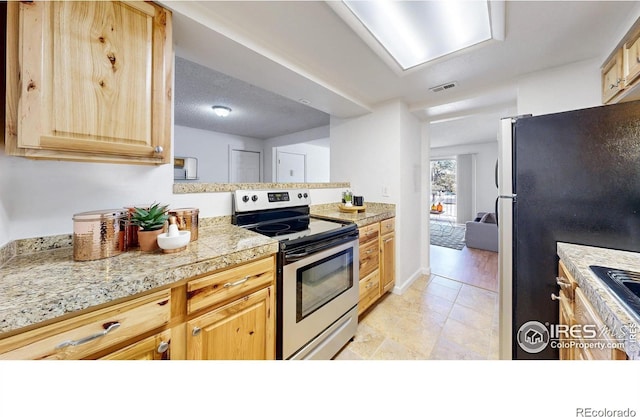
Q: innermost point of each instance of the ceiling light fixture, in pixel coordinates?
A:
(221, 111)
(415, 32)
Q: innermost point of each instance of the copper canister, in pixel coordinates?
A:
(99, 234)
(187, 219)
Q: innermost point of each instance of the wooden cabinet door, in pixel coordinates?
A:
(387, 262)
(157, 347)
(89, 81)
(631, 50)
(612, 78)
(566, 319)
(243, 329)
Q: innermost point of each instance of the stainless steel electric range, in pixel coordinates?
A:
(317, 271)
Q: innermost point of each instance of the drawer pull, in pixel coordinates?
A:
(196, 331)
(84, 340)
(562, 283)
(369, 251)
(233, 284)
(163, 347)
(555, 297)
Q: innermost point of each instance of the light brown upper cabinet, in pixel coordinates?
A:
(621, 70)
(89, 81)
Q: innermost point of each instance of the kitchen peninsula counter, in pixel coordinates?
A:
(623, 325)
(41, 285)
(373, 213)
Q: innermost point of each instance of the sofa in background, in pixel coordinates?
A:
(482, 233)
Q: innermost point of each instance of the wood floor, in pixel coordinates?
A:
(470, 266)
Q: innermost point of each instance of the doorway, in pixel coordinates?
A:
(443, 188)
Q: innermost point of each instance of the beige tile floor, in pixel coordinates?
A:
(436, 318)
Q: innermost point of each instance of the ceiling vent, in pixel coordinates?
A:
(443, 87)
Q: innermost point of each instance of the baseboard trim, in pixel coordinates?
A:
(399, 290)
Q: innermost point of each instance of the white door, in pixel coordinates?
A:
(244, 165)
(291, 167)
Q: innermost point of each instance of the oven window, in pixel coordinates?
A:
(322, 281)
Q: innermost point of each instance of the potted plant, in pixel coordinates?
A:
(151, 223)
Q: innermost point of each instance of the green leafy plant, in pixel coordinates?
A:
(152, 218)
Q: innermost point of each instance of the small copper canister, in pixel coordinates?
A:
(99, 234)
(187, 219)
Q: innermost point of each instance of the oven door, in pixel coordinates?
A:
(319, 286)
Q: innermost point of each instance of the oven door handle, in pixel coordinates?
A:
(319, 248)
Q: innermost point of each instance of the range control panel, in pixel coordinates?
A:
(251, 200)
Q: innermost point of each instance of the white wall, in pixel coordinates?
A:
(409, 232)
(366, 152)
(559, 89)
(379, 153)
(486, 155)
(316, 158)
(212, 150)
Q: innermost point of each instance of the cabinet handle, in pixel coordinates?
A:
(84, 340)
(163, 347)
(158, 149)
(555, 297)
(195, 331)
(233, 284)
(562, 283)
(369, 251)
(618, 81)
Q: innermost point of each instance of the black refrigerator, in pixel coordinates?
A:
(567, 177)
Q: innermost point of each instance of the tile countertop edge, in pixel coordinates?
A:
(27, 317)
(577, 259)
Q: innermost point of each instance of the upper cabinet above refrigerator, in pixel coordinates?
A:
(89, 81)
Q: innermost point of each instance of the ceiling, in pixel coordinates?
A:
(306, 50)
(255, 112)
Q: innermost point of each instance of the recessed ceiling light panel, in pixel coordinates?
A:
(415, 32)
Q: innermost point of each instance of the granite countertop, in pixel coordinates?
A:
(45, 285)
(623, 325)
(373, 213)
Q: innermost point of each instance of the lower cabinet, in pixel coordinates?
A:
(243, 329)
(581, 324)
(228, 314)
(377, 262)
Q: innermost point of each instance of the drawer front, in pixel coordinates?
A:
(369, 291)
(227, 285)
(369, 233)
(387, 226)
(369, 258)
(89, 333)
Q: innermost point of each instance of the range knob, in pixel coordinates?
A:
(306, 195)
(299, 195)
(245, 198)
(254, 198)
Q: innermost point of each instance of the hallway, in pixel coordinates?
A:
(438, 317)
